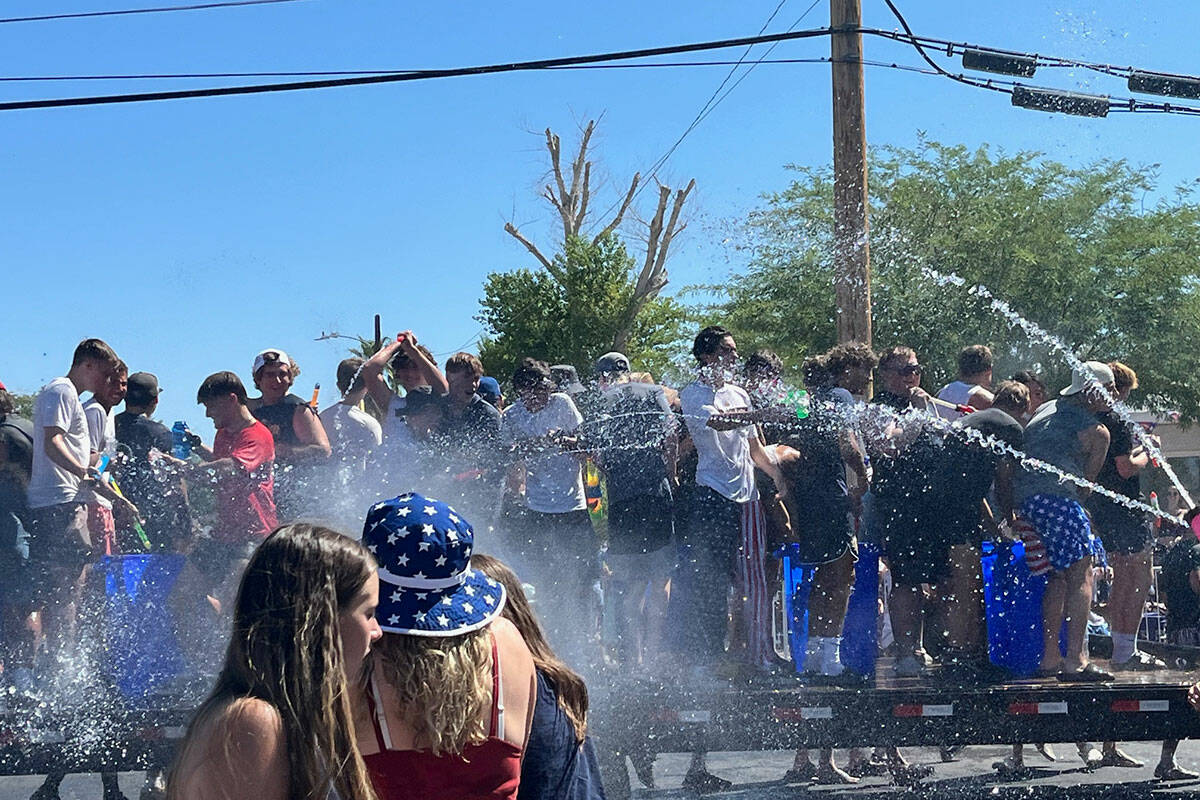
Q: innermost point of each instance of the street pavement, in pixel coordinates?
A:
(756, 776)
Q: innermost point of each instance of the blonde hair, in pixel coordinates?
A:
(444, 686)
(1123, 376)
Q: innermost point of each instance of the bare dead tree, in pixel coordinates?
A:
(571, 201)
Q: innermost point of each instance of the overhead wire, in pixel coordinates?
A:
(155, 10)
(365, 80)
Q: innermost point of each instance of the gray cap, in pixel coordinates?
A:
(1093, 372)
(612, 362)
(566, 378)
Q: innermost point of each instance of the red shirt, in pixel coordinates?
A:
(246, 501)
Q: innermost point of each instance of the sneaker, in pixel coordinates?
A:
(909, 667)
(701, 781)
(1139, 662)
(832, 775)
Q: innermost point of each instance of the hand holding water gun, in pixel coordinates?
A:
(128, 506)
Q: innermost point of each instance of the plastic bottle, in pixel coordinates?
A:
(797, 399)
(181, 447)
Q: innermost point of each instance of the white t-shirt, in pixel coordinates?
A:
(102, 433)
(724, 462)
(553, 482)
(959, 393)
(57, 406)
(352, 432)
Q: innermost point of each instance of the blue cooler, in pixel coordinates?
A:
(860, 632)
(797, 586)
(1013, 599)
(143, 655)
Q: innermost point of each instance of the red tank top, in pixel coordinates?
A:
(487, 771)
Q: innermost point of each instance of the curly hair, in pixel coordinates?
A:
(444, 686)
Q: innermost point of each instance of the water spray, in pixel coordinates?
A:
(1039, 334)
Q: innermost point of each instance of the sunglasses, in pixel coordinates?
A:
(909, 369)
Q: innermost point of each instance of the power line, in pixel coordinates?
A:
(158, 10)
(329, 83)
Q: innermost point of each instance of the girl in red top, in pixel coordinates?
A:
(446, 710)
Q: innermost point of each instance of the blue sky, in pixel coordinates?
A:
(191, 234)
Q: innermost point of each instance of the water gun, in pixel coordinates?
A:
(595, 491)
(316, 391)
(101, 466)
(1154, 503)
(798, 401)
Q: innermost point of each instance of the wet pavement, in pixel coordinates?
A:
(756, 776)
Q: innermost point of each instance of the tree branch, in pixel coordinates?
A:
(612, 226)
(532, 248)
(584, 196)
(577, 169)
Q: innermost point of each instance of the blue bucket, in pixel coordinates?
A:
(143, 655)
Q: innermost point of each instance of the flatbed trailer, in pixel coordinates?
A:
(646, 717)
(643, 718)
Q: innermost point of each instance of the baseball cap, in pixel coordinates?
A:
(271, 353)
(489, 388)
(612, 362)
(143, 387)
(566, 378)
(1092, 371)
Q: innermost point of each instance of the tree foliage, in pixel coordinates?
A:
(1072, 249)
(574, 320)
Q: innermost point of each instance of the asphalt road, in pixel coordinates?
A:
(756, 776)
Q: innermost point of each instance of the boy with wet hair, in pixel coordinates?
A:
(470, 429)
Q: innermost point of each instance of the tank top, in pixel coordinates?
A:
(487, 771)
(278, 418)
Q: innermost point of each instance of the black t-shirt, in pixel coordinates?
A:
(17, 434)
(1183, 604)
(155, 489)
(1107, 514)
(471, 442)
(628, 430)
(970, 469)
(142, 434)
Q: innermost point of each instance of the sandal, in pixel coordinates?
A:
(1088, 674)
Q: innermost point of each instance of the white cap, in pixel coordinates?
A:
(260, 360)
(1094, 371)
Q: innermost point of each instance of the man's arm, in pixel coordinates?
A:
(980, 399)
(429, 370)
(1095, 448)
(314, 443)
(55, 447)
(767, 464)
(372, 375)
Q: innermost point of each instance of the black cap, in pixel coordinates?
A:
(142, 388)
(612, 362)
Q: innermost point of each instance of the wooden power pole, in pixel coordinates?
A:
(852, 255)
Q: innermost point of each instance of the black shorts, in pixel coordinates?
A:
(640, 524)
(1122, 533)
(59, 548)
(917, 547)
(822, 527)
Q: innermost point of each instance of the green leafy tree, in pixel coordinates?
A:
(574, 320)
(1072, 249)
(23, 405)
(590, 296)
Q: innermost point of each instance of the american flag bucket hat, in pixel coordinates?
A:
(426, 585)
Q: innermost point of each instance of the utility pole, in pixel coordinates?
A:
(851, 252)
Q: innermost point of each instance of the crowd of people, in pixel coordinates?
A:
(643, 520)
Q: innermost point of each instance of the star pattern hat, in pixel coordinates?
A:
(426, 585)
